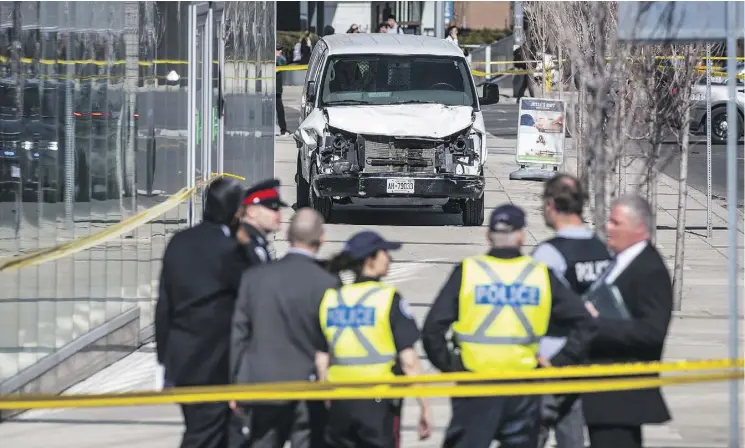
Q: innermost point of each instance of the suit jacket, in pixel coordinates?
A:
(199, 280)
(276, 330)
(647, 292)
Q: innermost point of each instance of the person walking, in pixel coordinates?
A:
(641, 279)
(370, 333)
(499, 306)
(578, 257)
(200, 274)
(274, 335)
(281, 122)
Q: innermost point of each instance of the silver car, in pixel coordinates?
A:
(718, 108)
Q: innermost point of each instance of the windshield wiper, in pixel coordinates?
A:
(415, 102)
(331, 103)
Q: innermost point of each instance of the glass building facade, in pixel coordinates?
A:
(94, 129)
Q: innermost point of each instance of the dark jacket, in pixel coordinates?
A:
(566, 307)
(201, 271)
(275, 329)
(647, 291)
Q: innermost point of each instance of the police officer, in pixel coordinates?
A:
(260, 215)
(370, 333)
(578, 256)
(199, 280)
(499, 305)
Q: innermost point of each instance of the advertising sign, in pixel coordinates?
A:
(540, 131)
(449, 11)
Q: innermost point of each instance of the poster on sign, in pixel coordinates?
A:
(540, 131)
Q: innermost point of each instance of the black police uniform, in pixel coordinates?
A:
(199, 281)
(255, 252)
(373, 423)
(514, 421)
(580, 257)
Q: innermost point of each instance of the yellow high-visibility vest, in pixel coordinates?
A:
(357, 325)
(503, 311)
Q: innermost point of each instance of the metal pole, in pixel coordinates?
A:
(708, 142)
(207, 98)
(517, 22)
(439, 20)
(732, 131)
(191, 154)
(561, 74)
(221, 122)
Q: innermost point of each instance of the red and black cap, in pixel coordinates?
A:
(264, 193)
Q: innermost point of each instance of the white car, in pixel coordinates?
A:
(390, 120)
(719, 95)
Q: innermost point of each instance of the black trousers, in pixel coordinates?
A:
(281, 114)
(477, 421)
(206, 425)
(364, 424)
(602, 436)
(271, 426)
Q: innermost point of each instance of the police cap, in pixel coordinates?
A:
(507, 218)
(221, 200)
(264, 193)
(364, 244)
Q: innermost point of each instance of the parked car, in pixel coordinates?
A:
(33, 156)
(391, 120)
(719, 96)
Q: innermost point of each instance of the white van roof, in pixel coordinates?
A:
(394, 44)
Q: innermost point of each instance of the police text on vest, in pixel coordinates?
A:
(350, 316)
(589, 271)
(500, 294)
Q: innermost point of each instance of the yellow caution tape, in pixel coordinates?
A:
(107, 234)
(326, 391)
(103, 63)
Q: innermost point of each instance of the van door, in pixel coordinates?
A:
(312, 74)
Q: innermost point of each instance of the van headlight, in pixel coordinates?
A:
(477, 141)
(52, 146)
(27, 145)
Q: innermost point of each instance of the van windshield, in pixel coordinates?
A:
(387, 79)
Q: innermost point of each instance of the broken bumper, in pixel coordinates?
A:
(377, 185)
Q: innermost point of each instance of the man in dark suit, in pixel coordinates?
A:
(201, 271)
(614, 419)
(274, 334)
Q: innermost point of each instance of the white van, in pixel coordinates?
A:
(390, 120)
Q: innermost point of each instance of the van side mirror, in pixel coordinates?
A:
(491, 94)
(310, 92)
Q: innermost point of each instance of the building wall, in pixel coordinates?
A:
(488, 14)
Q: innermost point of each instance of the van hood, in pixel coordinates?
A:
(401, 120)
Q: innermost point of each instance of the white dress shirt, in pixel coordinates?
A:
(623, 260)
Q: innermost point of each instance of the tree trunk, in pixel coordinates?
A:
(681, 219)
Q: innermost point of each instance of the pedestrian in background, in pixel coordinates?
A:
(393, 25)
(199, 278)
(383, 27)
(353, 29)
(577, 256)
(641, 279)
(499, 306)
(280, 61)
(274, 334)
(370, 334)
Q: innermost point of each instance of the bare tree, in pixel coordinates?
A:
(686, 76)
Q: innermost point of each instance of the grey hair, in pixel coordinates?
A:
(639, 207)
(503, 240)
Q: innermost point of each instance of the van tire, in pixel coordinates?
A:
(322, 205)
(473, 212)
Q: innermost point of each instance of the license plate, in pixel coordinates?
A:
(405, 186)
(15, 171)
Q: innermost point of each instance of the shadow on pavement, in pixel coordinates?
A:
(356, 215)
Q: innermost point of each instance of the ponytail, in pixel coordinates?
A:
(344, 262)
